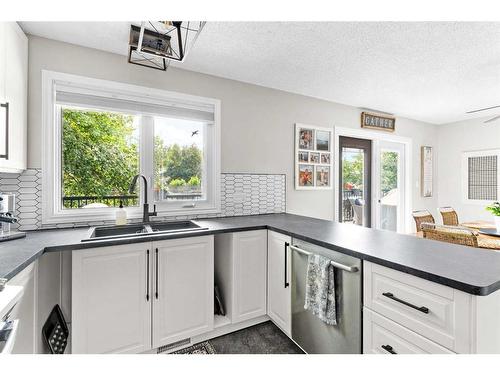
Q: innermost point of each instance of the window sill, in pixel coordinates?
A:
(99, 217)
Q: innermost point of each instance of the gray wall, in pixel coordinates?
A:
(257, 122)
(454, 139)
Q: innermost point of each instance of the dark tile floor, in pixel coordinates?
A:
(264, 338)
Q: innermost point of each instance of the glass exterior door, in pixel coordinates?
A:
(391, 191)
(355, 181)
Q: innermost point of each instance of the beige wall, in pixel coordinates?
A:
(454, 139)
(257, 122)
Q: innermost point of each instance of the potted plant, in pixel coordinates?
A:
(494, 208)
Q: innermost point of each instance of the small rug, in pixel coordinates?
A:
(200, 348)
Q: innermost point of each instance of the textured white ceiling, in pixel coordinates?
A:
(434, 72)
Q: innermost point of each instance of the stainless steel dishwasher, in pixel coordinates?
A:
(308, 331)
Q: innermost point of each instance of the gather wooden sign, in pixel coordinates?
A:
(376, 121)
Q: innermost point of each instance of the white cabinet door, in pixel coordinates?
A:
(250, 275)
(278, 280)
(111, 303)
(16, 95)
(183, 298)
(3, 59)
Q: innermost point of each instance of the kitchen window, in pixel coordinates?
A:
(481, 178)
(99, 134)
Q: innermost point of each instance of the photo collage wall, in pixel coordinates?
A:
(313, 157)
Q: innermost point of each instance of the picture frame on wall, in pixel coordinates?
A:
(426, 165)
(313, 157)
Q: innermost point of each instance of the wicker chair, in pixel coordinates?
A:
(422, 216)
(449, 215)
(456, 235)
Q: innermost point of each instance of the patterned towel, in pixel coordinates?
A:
(320, 289)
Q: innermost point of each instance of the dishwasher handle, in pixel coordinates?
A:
(332, 262)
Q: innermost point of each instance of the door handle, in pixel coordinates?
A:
(422, 309)
(389, 349)
(287, 284)
(156, 292)
(147, 275)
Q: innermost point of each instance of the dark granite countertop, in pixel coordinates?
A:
(474, 271)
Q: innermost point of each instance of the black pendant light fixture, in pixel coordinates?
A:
(154, 44)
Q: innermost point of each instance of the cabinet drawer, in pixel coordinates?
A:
(440, 313)
(383, 336)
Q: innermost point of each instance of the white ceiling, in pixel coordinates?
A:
(433, 72)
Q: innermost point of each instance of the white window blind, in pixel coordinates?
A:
(482, 176)
(76, 96)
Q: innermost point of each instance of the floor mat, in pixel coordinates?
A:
(200, 348)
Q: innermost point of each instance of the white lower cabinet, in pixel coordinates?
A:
(111, 310)
(383, 336)
(183, 298)
(250, 274)
(419, 316)
(131, 298)
(278, 280)
(241, 264)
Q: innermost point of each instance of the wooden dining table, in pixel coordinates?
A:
(483, 240)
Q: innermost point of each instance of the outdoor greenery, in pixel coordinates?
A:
(352, 171)
(100, 156)
(177, 166)
(389, 173)
(494, 208)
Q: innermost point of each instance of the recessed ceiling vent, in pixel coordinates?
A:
(155, 43)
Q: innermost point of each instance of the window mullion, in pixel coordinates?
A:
(147, 153)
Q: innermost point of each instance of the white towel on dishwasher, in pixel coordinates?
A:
(320, 289)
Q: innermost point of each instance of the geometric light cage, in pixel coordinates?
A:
(155, 43)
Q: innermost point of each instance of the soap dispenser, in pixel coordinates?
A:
(121, 215)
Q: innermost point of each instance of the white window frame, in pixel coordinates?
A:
(465, 175)
(52, 211)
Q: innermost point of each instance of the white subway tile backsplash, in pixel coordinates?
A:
(241, 194)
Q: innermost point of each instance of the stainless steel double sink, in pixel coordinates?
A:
(141, 229)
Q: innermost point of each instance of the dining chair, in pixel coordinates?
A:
(450, 234)
(449, 215)
(422, 216)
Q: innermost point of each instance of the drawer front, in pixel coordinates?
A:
(383, 336)
(440, 313)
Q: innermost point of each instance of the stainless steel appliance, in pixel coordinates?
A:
(308, 331)
(9, 326)
(7, 217)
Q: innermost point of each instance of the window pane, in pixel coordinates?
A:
(100, 156)
(179, 159)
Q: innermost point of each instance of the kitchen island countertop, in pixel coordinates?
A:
(472, 270)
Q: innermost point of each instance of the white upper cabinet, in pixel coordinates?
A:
(278, 280)
(183, 289)
(13, 97)
(111, 300)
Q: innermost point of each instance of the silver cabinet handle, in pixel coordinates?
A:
(332, 262)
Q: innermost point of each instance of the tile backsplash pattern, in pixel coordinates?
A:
(27, 187)
(241, 194)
